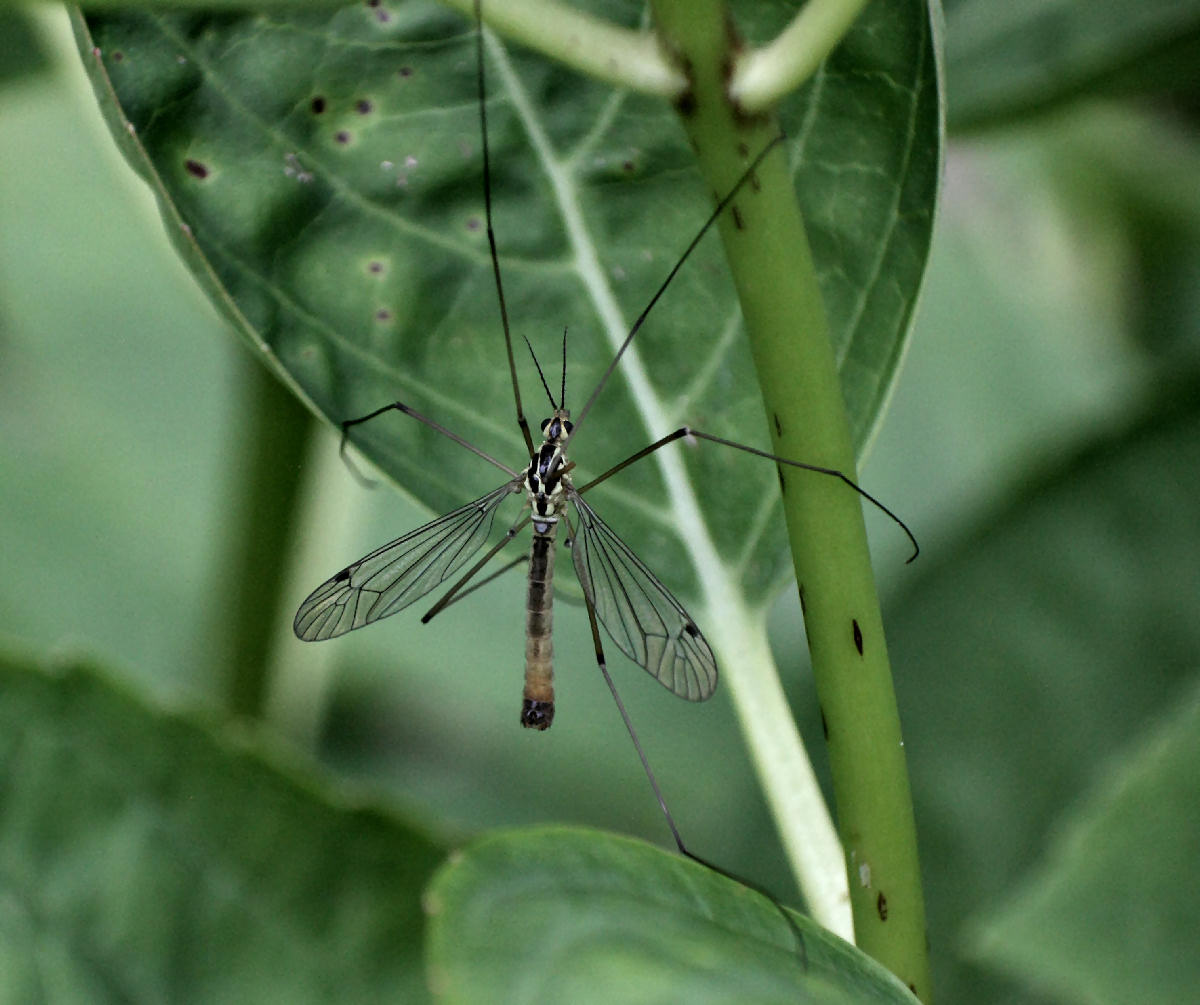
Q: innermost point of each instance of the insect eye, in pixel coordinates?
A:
(568, 425)
(545, 424)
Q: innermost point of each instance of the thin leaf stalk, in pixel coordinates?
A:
(773, 271)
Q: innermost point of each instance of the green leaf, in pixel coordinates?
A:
(147, 857)
(321, 175)
(1058, 630)
(558, 914)
(1110, 916)
(1008, 60)
(22, 49)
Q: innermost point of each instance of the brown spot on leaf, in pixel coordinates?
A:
(196, 169)
(317, 105)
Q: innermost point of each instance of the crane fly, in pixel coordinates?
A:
(638, 613)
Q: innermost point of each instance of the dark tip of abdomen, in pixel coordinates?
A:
(537, 714)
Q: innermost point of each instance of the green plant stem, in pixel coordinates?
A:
(267, 450)
(785, 321)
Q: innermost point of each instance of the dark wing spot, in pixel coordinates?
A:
(196, 169)
(342, 576)
(858, 641)
(691, 629)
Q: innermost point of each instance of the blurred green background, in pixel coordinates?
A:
(1043, 442)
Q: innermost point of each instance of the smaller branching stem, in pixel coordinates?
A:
(622, 56)
(762, 76)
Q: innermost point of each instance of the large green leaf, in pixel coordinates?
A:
(1009, 59)
(147, 857)
(1110, 917)
(563, 915)
(1059, 630)
(320, 172)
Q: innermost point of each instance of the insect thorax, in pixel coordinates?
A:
(546, 478)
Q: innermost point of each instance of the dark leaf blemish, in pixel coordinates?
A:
(363, 106)
(858, 640)
(737, 218)
(778, 424)
(342, 136)
(118, 56)
(317, 105)
(383, 314)
(824, 725)
(881, 906)
(803, 608)
(196, 169)
(405, 71)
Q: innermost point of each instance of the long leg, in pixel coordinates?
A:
(637, 745)
(399, 406)
(685, 431)
(683, 849)
(491, 234)
(451, 595)
(637, 324)
(507, 567)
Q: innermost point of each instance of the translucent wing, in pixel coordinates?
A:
(641, 617)
(392, 577)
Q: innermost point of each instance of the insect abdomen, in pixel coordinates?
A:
(537, 710)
